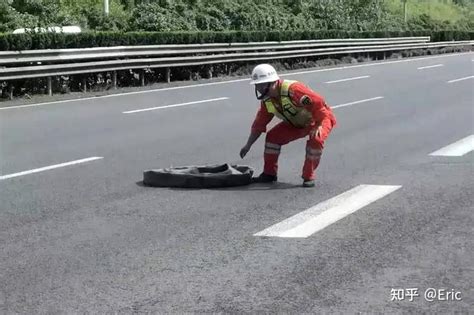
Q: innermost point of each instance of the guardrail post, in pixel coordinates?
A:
(10, 91)
(114, 79)
(209, 72)
(84, 84)
(50, 86)
(168, 75)
(142, 77)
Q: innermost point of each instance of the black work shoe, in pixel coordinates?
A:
(265, 178)
(308, 183)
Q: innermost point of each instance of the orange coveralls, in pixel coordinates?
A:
(285, 132)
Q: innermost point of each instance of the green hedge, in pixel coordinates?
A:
(104, 39)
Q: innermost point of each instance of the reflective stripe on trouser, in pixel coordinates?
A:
(284, 133)
(272, 148)
(270, 156)
(311, 162)
(313, 154)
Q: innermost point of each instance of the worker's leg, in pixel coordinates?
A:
(279, 135)
(314, 150)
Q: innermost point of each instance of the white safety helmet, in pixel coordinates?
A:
(264, 73)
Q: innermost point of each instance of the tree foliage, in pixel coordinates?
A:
(240, 15)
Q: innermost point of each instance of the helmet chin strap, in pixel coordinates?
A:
(264, 94)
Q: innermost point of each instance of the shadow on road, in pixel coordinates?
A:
(260, 186)
(254, 186)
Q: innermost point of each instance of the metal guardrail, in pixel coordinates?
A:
(168, 56)
(112, 65)
(53, 55)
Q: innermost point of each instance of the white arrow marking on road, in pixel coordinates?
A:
(462, 79)
(429, 67)
(176, 105)
(458, 148)
(42, 169)
(348, 79)
(358, 102)
(316, 218)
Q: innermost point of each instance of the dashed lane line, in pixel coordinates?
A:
(348, 79)
(176, 105)
(458, 148)
(316, 218)
(357, 102)
(46, 168)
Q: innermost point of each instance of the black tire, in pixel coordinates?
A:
(213, 176)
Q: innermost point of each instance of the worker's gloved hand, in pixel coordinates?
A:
(244, 151)
(316, 132)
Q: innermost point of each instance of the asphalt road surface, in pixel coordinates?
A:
(389, 223)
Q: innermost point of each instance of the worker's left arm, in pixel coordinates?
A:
(321, 113)
(323, 117)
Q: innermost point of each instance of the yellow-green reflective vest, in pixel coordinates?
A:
(297, 116)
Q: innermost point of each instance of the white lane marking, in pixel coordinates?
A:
(122, 94)
(374, 64)
(348, 79)
(55, 102)
(358, 102)
(461, 79)
(42, 169)
(458, 148)
(429, 67)
(176, 105)
(233, 81)
(316, 218)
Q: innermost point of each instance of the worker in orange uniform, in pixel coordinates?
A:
(304, 113)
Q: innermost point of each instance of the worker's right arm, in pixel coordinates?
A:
(258, 127)
(262, 119)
